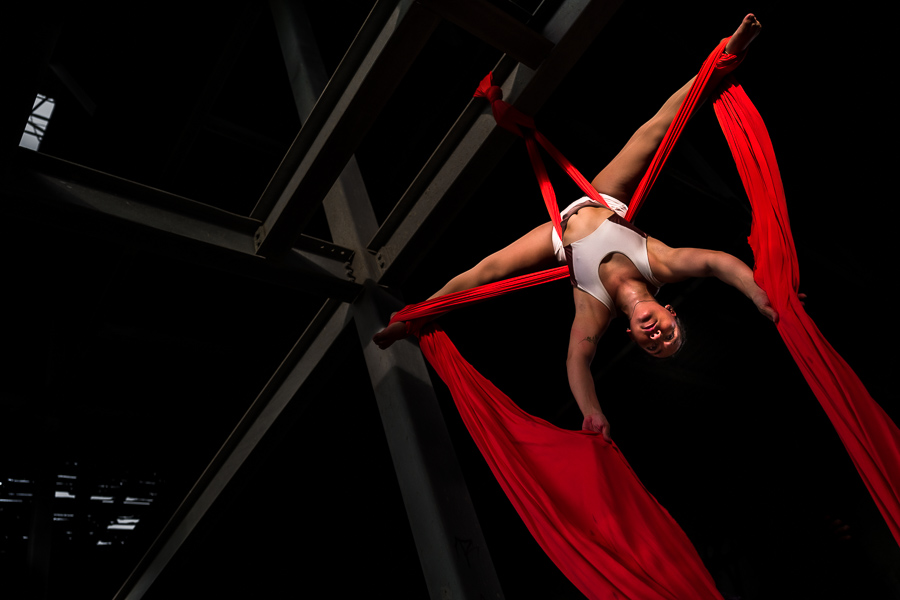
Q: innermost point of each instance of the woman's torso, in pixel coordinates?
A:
(613, 269)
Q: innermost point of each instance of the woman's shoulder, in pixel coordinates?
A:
(663, 259)
(589, 307)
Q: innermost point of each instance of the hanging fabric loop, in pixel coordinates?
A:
(507, 116)
(515, 121)
(640, 553)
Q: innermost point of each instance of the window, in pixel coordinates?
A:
(37, 122)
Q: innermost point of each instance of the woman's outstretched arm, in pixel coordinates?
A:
(591, 319)
(677, 264)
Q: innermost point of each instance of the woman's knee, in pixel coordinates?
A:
(490, 269)
(653, 131)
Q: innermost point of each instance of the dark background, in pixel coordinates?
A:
(123, 365)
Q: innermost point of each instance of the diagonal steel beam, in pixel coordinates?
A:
(300, 75)
(260, 417)
(52, 191)
(340, 120)
(417, 436)
(475, 144)
(434, 492)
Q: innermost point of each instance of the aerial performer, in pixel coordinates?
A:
(616, 269)
(574, 490)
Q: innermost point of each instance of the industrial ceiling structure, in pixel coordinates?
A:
(214, 207)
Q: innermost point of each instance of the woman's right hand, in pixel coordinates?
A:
(597, 423)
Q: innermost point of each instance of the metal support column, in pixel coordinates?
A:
(451, 547)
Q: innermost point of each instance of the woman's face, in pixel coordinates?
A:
(654, 328)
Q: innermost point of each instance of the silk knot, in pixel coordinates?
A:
(493, 94)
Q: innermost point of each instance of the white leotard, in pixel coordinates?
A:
(612, 235)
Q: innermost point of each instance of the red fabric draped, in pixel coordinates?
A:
(416, 315)
(605, 531)
(514, 121)
(871, 438)
(575, 492)
(714, 68)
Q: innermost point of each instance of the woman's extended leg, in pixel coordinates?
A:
(534, 250)
(621, 176)
(531, 252)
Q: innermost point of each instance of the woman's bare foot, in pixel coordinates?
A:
(392, 333)
(745, 33)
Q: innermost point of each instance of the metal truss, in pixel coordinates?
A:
(352, 273)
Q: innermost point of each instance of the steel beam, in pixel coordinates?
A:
(434, 492)
(454, 556)
(338, 124)
(259, 419)
(313, 122)
(52, 191)
(306, 72)
(475, 144)
(437, 502)
(348, 210)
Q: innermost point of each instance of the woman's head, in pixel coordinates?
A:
(656, 329)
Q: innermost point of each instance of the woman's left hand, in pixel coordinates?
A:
(597, 422)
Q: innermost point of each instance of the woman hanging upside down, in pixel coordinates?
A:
(615, 268)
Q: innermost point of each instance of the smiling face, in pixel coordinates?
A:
(655, 329)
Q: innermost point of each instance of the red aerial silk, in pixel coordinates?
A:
(870, 436)
(574, 491)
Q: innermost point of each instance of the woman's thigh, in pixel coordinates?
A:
(622, 175)
(531, 252)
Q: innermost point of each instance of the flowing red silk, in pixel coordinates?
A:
(575, 492)
(514, 121)
(716, 66)
(872, 439)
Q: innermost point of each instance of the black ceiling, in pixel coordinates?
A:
(128, 365)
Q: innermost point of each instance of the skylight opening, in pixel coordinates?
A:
(37, 122)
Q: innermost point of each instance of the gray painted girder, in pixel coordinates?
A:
(414, 428)
(52, 191)
(262, 414)
(454, 556)
(475, 144)
(337, 126)
(448, 537)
